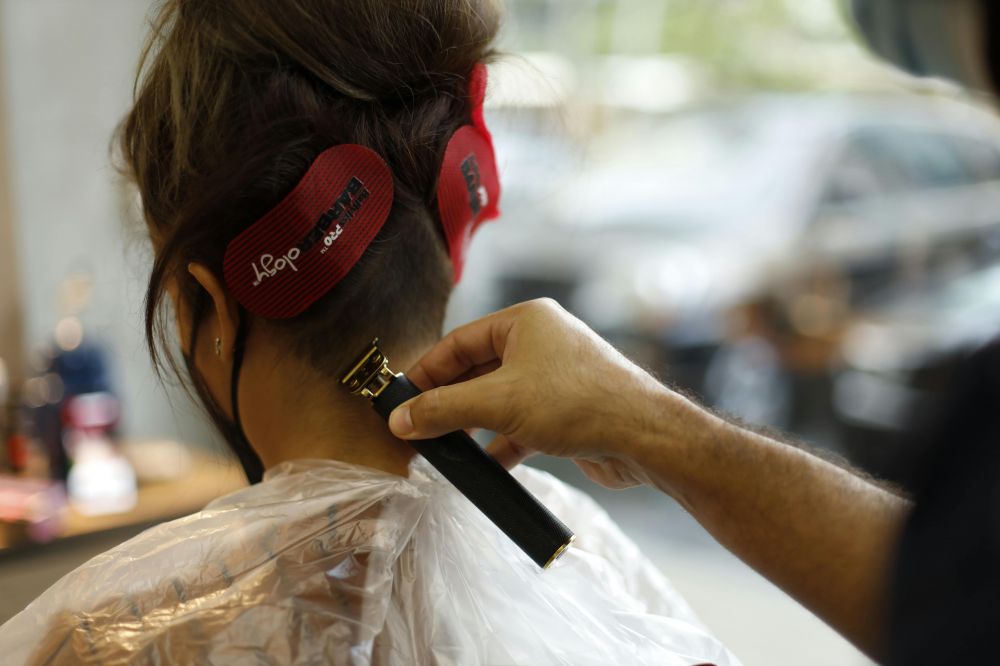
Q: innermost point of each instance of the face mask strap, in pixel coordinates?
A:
(231, 430)
(251, 462)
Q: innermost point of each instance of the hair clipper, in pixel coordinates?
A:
(479, 477)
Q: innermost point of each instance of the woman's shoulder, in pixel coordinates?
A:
(306, 529)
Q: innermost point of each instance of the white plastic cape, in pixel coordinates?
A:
(329, 563)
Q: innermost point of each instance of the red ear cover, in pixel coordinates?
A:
(298, 251)
(468, 191)
(469, 185)
(477, 98)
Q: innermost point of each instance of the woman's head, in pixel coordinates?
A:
(235, 100)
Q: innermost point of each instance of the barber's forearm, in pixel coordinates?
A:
(821, 533)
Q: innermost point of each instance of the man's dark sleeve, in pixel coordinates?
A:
(946, 586)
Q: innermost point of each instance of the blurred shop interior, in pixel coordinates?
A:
(733, 192)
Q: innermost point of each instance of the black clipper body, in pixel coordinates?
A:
(485, 482)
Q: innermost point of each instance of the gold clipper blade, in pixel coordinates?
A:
(371, 374)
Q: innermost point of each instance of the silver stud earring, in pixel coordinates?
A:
(218, 347)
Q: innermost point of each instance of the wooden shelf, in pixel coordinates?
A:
(207, 479)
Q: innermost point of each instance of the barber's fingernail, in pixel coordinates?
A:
(400, 421)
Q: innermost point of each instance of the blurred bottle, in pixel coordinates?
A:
(73, 363)
(76, 367)
(31, 509)
(27, 457)
(100, 479)
(5, 428)
(17, 451)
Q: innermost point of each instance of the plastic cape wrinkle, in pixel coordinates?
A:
(325, 562)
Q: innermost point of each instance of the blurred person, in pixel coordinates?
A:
(346, 550)
(908, 582)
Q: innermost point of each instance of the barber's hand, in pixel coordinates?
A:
(546, 383)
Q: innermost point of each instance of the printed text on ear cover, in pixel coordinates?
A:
(346, 206)
(296, 252)
(479, 198)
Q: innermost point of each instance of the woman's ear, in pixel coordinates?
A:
(225, 320)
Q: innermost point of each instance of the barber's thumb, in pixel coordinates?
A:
(441, 410)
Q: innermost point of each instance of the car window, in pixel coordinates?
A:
(854, 176)
(980, 159)
(915, 159)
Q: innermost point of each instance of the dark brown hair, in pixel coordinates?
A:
(235, 98)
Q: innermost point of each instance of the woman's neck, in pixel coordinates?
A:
(359, 439)
(291, 412)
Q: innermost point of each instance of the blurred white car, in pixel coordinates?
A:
(768, 219)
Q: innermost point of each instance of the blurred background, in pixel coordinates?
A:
(731, 191)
